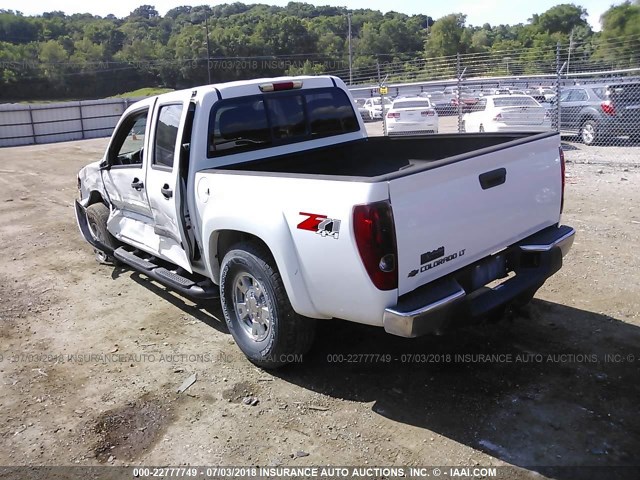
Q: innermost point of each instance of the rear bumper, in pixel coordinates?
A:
(504, 127)
(416, 128)
(457, 299)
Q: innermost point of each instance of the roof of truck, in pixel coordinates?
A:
(234, 88)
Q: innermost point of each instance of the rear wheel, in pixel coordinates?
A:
(589, 132)
(97, 216)
(257, 310)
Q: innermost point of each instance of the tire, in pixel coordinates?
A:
(97, 216)
(589, 132)
(249, 283)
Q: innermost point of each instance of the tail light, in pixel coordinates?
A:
(428, 113)
(608, 108)
(562, 172)
(497, 118)
(393, 115)
(376, 240)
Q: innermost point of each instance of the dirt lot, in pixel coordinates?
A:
(92, 356)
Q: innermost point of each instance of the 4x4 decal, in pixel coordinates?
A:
(320, 224)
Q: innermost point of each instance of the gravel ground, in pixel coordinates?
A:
(92, 356)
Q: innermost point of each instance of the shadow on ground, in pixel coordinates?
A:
(549, 388)
(556, 387)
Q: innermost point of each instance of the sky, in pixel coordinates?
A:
(478, 12)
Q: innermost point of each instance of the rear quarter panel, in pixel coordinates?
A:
(323, 274)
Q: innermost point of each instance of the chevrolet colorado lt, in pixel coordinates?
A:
(268, 195)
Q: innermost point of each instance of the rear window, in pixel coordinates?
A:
(600, 92)
(260, 121)
(515, 102)
(412, 104)
(629, 92)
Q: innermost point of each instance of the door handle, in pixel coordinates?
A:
(166, 191)
(493, 178)
(137, 184)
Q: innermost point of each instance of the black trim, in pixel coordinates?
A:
(493, 178)
(218, 94)
(203, 290)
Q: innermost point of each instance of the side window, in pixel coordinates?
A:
(564, 96)
(166, 135)
(127, 148)
(580, 96)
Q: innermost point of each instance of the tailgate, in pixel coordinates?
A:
(452, 215)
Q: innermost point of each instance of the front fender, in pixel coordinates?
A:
(90, 182)
(274, 231)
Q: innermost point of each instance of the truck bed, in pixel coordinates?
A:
(377, 157)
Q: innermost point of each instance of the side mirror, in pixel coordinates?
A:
(105, 164)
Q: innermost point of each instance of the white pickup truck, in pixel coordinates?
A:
(268, 195)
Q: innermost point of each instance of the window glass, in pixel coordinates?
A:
(286, 116)
(166, 134)
(515, 102)
(330, 113)
(129, 141)
(260, 121)
(238, 125)
(412, 104)
(600, 92)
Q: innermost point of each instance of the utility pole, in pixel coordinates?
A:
(350, 52)
(206, 27)
(569, 57)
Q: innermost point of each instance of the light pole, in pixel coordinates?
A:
(350, 52)
(206, 27)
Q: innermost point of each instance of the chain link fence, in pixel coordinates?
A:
(593, 102)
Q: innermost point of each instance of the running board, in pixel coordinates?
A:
(203, 290)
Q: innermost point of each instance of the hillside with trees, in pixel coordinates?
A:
(85, 56)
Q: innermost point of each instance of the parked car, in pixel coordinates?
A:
(268, 195)
(547, 92)
(469, 102)
(600, 112)
(412, 116)
(501, 113)
(440, 102)
(374, 107)
(362, 110)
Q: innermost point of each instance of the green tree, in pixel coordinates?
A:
(446, 36)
